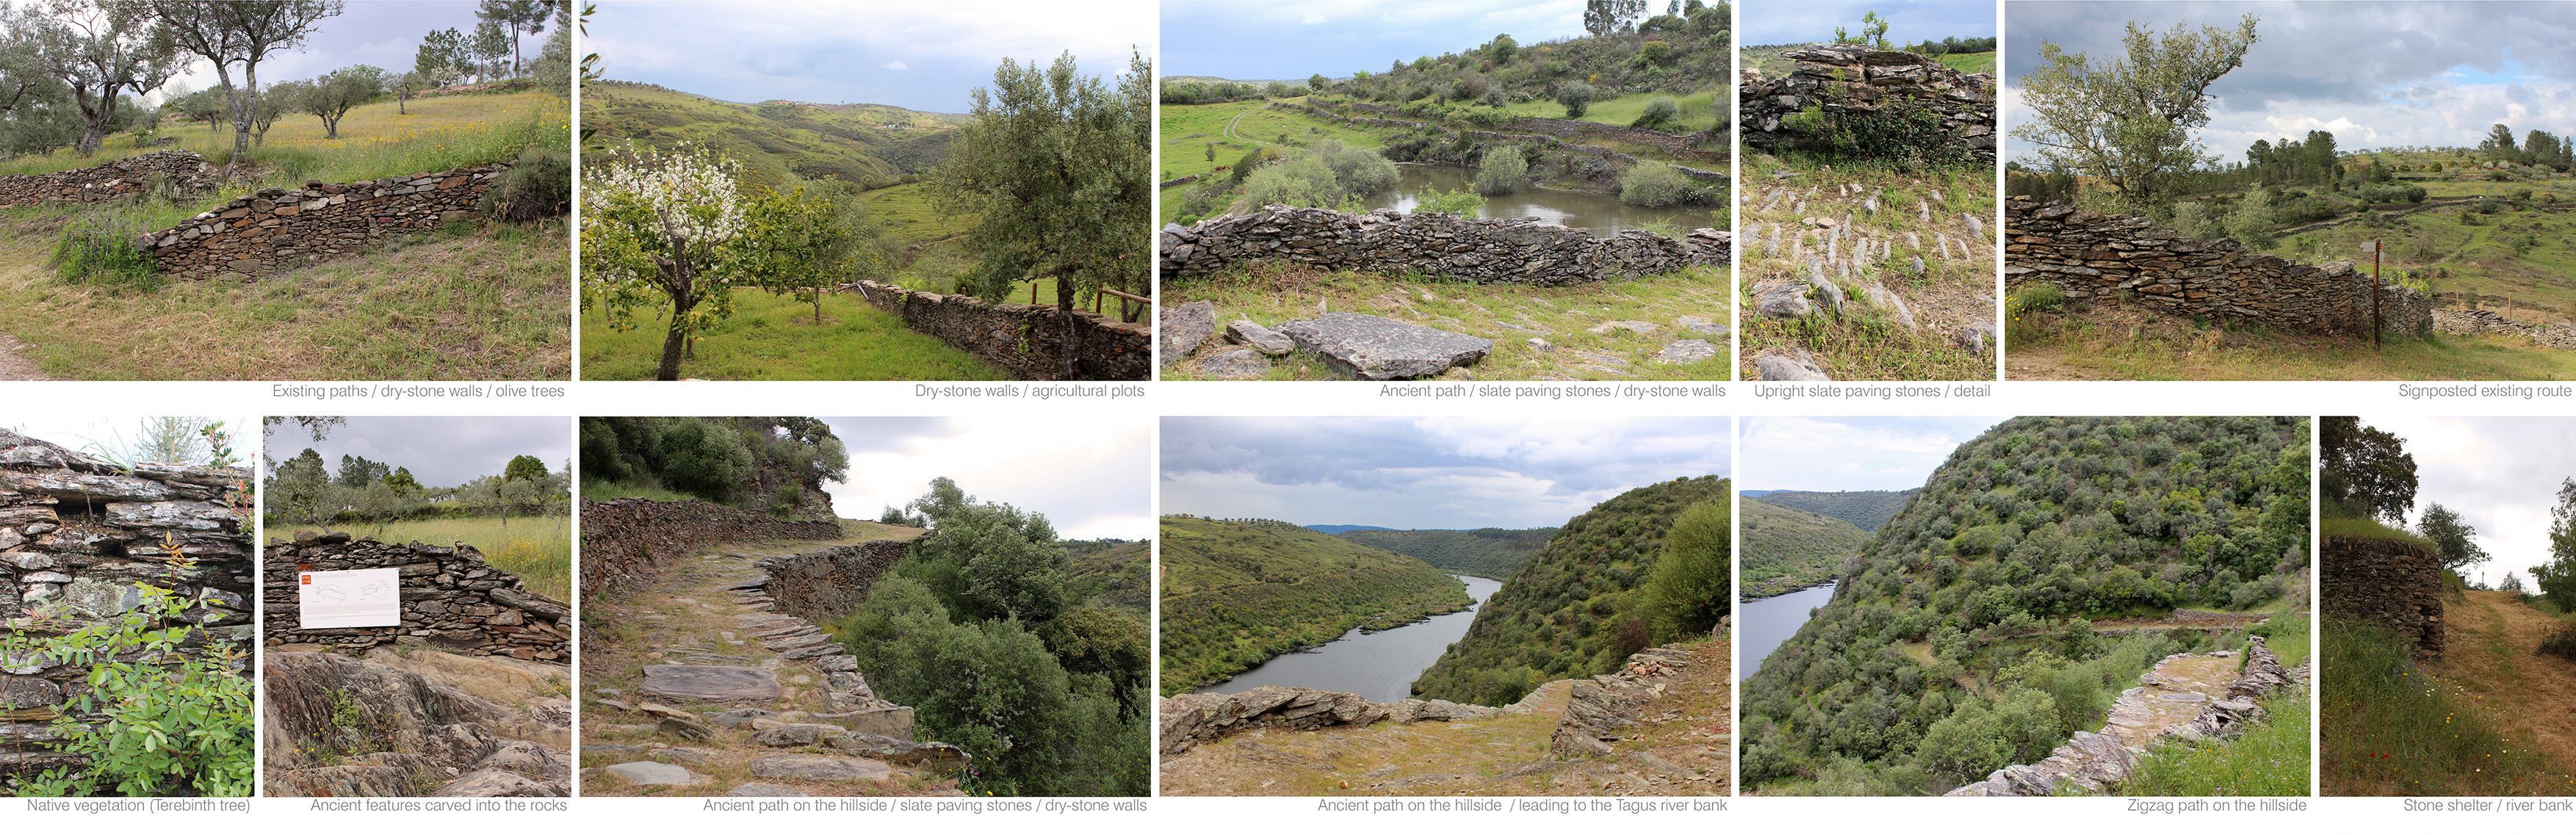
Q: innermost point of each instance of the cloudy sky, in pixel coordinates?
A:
(439, 451)
(914, 55)
(380, 34)
(1088, 475)
(2500, 474)
(1425, 473)
(1271, 41)
(1911, 21)
(1850, 453)
(2376, 74)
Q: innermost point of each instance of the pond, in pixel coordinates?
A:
(1380, 667)
(1603, 214)
(1770, 621)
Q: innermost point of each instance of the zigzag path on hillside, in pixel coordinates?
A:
(697, 687)
(1658, 727)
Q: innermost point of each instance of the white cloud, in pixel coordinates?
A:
(896, 65)
(1313, 19)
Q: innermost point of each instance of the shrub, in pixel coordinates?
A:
(100, 249)
(1502, 172)
(2252, 222)
(1576, 96)
(1460, 202)
(1658, 113)
(539, 186)
(1904, 135)
(2193, 219)
(1653, 184)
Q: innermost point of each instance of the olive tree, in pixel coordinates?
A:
(332, 96)
(2129, 121)
(1055, 166)
(244, 32)
(100, 50)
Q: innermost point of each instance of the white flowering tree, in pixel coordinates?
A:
(655, 228)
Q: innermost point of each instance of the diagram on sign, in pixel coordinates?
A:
(341, 599)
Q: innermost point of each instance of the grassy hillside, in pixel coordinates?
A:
(864, 145)
(1491, 553)
(1114, 575)
(2484, 719)
(1237, 593)
(1864, 509)
(1785, 549)
(773, 337)
(1575, 609)
(2030, 580)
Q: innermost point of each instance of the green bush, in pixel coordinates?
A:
(1658, 113)
(1504, 168)
(1902, 135)
(539, 186)
(1653, 184)
(101, 249)
(2561, 643)
(1576, 96)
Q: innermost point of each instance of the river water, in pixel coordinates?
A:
(1602, 214)
(1770, 621)
(1380, 667)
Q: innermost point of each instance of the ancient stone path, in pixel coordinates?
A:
(2186, 696)
(698, 687)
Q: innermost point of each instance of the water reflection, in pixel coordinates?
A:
(1603, 214)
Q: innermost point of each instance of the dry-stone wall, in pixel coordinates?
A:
(2091, 255)
(2394, 584)
(2094, 762)
(625, 542)
(826, 584)
(280, 228)
(1855, 78)
(1436, 244)
(2472, 321)
(1027, 339)
(131, 175)
(452, 600)
(80, 541)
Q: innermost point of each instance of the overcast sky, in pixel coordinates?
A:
(1908, 21)
(1274, 41)
(439, 451)
(2500, 474)
(1850, 453)
(1426, 473)
(914, 55)
(118, 435)
(373, 32)
(1089, 475)
(2375, 74)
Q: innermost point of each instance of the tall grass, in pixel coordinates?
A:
(2270, 760)
(2393, 729)
(536, 548)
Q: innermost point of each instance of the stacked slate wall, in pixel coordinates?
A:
(81, 540)
(2091, 255)
(1024, 339)
(280, 228)
(128, 176)
(452, 600)
(2390, 583)
(625, 542)
(823, 585)
(1855, 78)
(1436, 244)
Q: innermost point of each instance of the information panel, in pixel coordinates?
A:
(340, 599)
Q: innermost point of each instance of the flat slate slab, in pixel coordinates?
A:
(1364, 347)
(655, 774)
(1185, 326)
(678, 681)
(819, 767)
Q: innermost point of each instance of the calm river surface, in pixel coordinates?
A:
(1772, 620)
(1603, 214)
(1379, 667)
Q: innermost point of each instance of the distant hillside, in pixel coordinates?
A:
(1576, 608)
(1786, 549)
(1117, 575)
(1673, 54)
(1756, 494)
(1338, 530)
(1491, 553)
(865, 145)
(1864, 509)
(1236, 593)
(2035, 575)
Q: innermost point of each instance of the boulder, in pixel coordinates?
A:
(1364, 347)
(1184, 326)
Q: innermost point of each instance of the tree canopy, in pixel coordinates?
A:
(2129, 121)
(2363, 471)
(2455, 541)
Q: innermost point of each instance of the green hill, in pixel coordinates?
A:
(1864, 509)
(1491, 553)
(1236, 593)
(1963, 637)
(1576, 608)
(1116, 575)
(865, 145)
(1786, 549)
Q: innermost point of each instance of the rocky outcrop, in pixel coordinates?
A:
(1438, 245)
(2098, 761)
(625, 542)
(126, 177)
(452, 600)
(1597, 709)
(2091, 255)
(1024, 339)
(2396, 585)
(1194, 718)
(279, 228)
(1856, 78)
(338, 726)
(82, 543)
